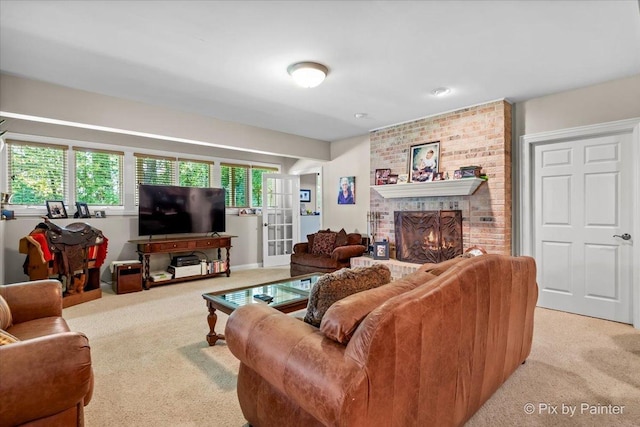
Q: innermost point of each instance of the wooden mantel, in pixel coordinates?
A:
(450, 187)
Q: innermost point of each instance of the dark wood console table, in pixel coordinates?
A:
(147, 247)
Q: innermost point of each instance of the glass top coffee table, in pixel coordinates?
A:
(286, 295)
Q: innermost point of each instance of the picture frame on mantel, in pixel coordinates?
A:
(424, 161)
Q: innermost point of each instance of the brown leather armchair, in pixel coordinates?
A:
(307, 259)
(46, 377)
(425, 350)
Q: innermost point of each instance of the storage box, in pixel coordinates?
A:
(127, 278)
(185, 271)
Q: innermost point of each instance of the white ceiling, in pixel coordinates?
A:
(228, 59)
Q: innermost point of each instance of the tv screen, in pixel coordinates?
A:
(169, 209)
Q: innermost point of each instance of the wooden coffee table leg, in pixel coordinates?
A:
(212, 318)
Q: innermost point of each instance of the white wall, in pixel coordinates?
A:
(44, 100)
(349, 157)
(601, 103)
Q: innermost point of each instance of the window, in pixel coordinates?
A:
(256, 183)
(98, 177)
(243, 184)
(194, 173)
(36, 172)
(154, 170)
(235, 180)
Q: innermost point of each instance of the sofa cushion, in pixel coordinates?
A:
(7, 338)
(323, 243)
(334, 286)
(6, 320)
(341, 238)
(342, 318)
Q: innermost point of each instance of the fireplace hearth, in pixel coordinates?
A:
(428, 236)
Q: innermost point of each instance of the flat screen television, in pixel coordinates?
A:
(170, 209)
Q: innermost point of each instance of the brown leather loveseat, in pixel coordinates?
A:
(426, 350)
(46, 377)
(325, 251)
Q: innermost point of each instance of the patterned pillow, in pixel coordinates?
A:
(7, 338)
(323, 243)
(334, 286)
(6, 320)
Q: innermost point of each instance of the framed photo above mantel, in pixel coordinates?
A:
(56, 209)
(382, 176)
(424, 161)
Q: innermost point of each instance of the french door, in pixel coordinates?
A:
(280, 217)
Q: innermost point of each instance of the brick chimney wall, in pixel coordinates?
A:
(479, 136)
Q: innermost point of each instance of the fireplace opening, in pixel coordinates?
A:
(428, 236)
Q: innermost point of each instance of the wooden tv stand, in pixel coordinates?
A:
(148, 247)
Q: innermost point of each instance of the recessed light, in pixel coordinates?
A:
(441, 91)
(360, 115)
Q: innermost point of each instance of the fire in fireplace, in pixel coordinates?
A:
(428, 236)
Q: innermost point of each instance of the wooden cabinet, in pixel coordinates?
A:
(146, 248)
(127, 278)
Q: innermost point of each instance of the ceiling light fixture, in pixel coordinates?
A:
(441, 91)
(308, 74)
(360, 115)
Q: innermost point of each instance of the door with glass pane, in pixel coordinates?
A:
(280, 216)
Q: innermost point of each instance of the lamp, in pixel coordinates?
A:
(308, 74)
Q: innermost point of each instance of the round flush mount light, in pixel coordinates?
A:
(441, 91)
(308, 74)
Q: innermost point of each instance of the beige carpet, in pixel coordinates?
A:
(153, 366)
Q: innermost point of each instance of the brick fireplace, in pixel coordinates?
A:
(479, 135)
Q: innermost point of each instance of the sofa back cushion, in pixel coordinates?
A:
(334, 286)
(343, 317)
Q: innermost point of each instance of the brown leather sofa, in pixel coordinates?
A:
(46, 377)
(310, 257)
(426, 350)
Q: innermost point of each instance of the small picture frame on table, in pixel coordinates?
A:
(82, 210)
(305, 195)
(101, 214)
(56, 209)
(381, 250)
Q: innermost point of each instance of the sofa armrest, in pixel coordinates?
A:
(44, 376)
(347, 252)
(301, 248)
(33, 300)
(296, 359)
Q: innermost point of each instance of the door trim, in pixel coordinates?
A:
(526, 179)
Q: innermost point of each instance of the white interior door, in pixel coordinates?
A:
(280, 217)
(582, 200)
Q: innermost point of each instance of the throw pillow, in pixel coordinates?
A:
(341, 238)
(323, 243)
(7, 338)
(6, 320)
(334, 286)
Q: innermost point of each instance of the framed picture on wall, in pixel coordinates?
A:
(305, 195)
(347, 190)
(424, 161)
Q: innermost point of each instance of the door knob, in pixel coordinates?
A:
(265, 224)
(625, 236)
